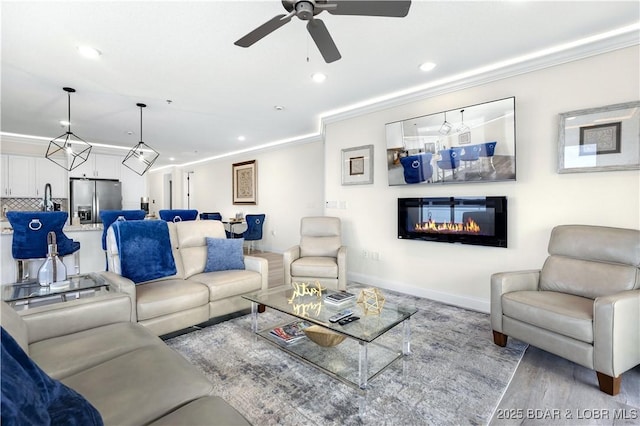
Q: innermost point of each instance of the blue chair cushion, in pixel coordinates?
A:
(31, 397)
(145, 249)
(30, 231)
(224, 254)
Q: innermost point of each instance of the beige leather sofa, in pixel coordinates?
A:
(126, 372)
(583, 305)
(320, 256)
(191, 296)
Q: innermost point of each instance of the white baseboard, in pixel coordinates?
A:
(475, 304)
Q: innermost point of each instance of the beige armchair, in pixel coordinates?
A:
(583, 305)
(320, 256)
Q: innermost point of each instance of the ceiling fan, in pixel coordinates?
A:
(307, 9)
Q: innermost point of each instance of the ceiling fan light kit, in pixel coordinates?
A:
(68, 150)
(141, 157)
(306, 10)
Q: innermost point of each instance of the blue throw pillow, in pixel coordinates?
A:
(224, 254)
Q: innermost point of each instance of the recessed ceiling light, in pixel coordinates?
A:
(427, 66)
(278, 107)
(241, 138)
(89, 52)
(318, 77)
(171, 159)
(64, 123)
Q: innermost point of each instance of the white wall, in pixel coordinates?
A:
(538, 200)
(290, 186)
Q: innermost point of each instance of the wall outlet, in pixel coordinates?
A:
(331, 204)
(365, 254)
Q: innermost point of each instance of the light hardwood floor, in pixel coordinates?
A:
(276, 272)
(545, 389)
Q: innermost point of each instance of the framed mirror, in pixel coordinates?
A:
(470, 144)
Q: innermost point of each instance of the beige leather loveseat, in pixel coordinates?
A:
(126, 372)
(583, 305)
(191, 296)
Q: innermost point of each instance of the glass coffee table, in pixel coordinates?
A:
(368, 349)
(31, 294)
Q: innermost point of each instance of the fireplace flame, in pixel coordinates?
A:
(469, 227)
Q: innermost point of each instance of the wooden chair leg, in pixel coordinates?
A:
(499, 338)
(609, 385)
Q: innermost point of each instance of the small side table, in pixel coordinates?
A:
(24, 295)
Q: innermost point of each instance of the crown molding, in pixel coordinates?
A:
(628, 37)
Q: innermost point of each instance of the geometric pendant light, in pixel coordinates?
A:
(68, 150)
(464, 133)
(446, 126)
(142, 156)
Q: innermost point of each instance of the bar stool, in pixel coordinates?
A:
(178, 215)
(109, 216)
(30, 231)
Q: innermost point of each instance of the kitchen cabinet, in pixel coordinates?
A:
(99, 166)
(47, 171)
(18, 176)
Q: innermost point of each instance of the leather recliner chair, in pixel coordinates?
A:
(583, 305)
(320, 256)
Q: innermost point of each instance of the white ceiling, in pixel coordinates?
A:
(183, 51)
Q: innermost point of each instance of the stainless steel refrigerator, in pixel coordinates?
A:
(90, 196)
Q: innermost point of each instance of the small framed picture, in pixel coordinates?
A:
(357, 165)
(600, 139)
(245, 190)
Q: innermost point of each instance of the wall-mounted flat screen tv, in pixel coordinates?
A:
(465, 220)
(474, 143)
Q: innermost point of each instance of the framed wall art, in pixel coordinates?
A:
(600, 139)
(472, 143)
(245, 189)
(357, 165)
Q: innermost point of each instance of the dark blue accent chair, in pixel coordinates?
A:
(210, 216)
(417, 168)
(450, 160)
(30, 230)
(487, 149)
(178, 215)
(253, 233)
(109, 216)
(470, 154)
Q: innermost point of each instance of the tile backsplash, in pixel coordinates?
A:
(28, 204)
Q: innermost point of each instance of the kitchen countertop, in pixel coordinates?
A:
(7, 230)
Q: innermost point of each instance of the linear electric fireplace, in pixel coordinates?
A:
(465, 220)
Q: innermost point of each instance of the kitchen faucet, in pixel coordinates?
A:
(47, 202)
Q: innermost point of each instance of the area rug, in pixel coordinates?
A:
(454, 375)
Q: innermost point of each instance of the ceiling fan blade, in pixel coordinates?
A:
(263, 30)
(323, 40)
(391, 8)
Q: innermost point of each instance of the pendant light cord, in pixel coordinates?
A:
(68, 112)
